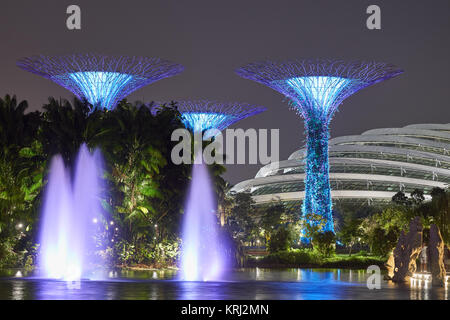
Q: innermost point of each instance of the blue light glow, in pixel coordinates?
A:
(201, 121)
(319, 96)
(321, 91)
(102, 80)
(202, 115)
(101, 88)
(316, 88)
(317, 184)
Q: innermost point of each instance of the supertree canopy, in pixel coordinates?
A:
(204, 115)
(315, 89)
(102, 80)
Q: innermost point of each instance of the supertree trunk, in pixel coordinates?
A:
(317, 184)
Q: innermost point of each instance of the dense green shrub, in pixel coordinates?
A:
(292, 257)
(8, 258)
(324, 243)
(353, 262)
(124, 253)
(163, 253)
(281, 239)
(311, 258)
(383, 242)
(363, 253)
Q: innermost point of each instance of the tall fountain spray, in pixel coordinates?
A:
(204, 254)
(70, 213)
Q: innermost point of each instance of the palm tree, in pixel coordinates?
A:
(67, 126)
(17, 129)
(137, 148)
(225, 200)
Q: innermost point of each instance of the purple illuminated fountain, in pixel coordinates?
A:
(204, 254)
(202, 257)
(71, 210)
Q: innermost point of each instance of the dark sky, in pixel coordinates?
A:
(211, 38)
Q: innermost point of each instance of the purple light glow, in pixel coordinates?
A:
(315, 89)
(203, 256)
(102, 80)
(67, 228)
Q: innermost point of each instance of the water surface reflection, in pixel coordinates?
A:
(253, 283)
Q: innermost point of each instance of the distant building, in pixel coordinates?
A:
(367, 168)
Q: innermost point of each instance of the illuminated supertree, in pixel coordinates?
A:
(203, 115)
(102, 80)
(315, 89)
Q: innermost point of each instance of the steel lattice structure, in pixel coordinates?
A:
(102, 80)
(315, 89)
(203, 115)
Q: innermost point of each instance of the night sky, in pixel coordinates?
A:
(212, 38)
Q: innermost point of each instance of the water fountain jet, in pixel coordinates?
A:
(204, 254)
(202, 257)
(67, 233)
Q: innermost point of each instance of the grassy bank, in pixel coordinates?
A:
(298, 258)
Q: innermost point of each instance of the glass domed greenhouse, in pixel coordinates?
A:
(367, 169)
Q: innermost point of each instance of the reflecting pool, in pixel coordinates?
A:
(255, 283)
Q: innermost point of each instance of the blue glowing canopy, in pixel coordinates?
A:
(202, 115)
(201, 121)
(316, 87)
(319, 91)
(102, 80)
(101, 88)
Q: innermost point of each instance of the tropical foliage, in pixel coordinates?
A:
(145, 189)
(145, 192)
